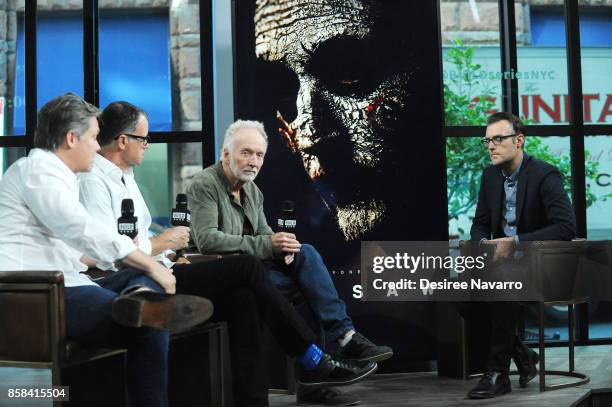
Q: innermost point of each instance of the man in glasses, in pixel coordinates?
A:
(44, 227)
(242, 293)
(521, 199)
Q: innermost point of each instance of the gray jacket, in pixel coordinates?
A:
(217, 217)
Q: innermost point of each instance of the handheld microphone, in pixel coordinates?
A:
(286, 220)
(181, 216)
(127, 224)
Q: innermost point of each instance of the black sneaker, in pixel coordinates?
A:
(336, 372)
(326, 396)
(362, 349)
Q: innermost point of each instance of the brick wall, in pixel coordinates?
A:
(481, 25)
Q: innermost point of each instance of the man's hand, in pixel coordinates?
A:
(164, 277)
(88, 261)
(504, 247)
(175, 238)
(284, 243)
(289, 258)
(182, 260)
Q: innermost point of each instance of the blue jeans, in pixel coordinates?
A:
(307, 278)
(89, 321)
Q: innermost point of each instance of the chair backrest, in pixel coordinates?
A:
(556, 266)
(32, 330)
(553, 264)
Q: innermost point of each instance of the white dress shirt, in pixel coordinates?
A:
(43, 226)
(101, 192)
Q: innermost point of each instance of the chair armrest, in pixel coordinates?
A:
(32, 316)
(558, 244)
(203, 258)
(466, 247)
(29, 277)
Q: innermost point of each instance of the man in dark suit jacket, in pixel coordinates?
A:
(520, 199)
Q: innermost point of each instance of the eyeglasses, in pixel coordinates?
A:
(495, 139)
(145, 140)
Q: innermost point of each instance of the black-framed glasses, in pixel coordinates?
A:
(495, 139)
(145, 140)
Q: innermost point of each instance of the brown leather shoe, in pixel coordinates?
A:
(158, 310)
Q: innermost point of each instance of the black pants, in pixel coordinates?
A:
(244, 296)
(498, 320)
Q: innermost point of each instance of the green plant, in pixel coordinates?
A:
(470, 100)
(467, 101)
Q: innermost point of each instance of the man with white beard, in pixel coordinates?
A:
(228, 216)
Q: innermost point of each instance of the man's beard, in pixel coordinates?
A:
(236, 172)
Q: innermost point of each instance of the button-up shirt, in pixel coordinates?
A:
(509, 211)
(101, 192)
(43, 226)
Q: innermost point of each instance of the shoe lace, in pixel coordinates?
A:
(342, 363)
(358, 338)
(487, 376)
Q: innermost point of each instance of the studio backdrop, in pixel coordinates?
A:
(350, 96)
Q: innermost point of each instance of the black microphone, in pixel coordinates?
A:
(286, 220)
(181, 216)
(127, 224)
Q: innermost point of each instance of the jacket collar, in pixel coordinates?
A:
(221, 175)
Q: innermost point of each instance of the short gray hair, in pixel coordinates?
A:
(241, 125)
(59, 116)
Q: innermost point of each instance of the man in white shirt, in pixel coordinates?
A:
(239, 286)
(43, 226)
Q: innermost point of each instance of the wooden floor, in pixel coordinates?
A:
(429, 390)
(423, 389)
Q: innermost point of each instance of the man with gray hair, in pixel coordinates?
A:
(44, 227)
(228, 216)
(239, 286)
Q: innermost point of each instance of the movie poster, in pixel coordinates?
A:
(350, 95)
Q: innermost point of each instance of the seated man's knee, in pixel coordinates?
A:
(308, 251)
(309, 254)
(139, 278)
(152, 284)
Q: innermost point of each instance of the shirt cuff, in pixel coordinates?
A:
(124, 246)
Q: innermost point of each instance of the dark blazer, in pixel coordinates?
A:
(544, 212)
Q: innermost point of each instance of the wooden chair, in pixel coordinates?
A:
(33, 335)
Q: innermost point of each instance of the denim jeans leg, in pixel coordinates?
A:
(126, 278)
(88, 320)
(312, 278)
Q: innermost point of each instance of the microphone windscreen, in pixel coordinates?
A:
(181, 199)
(287, 206)
(127, 205)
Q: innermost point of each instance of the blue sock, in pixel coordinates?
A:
(311, 358)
